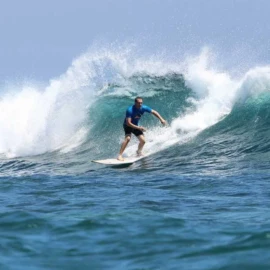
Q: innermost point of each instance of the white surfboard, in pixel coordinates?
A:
(116, 162)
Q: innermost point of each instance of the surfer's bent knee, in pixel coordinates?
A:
(141, 138)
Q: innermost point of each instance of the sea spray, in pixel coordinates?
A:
(63, 115)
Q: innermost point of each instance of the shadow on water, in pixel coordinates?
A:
(121, 166)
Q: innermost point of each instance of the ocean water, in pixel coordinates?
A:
(200, 200)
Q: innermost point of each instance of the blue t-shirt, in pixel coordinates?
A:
(135, 114)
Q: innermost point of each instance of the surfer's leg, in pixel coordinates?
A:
(141, 144)
(123, 147)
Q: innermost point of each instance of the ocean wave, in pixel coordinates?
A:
(85, 107)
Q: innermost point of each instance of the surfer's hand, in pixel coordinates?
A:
(142, 128)
(163, 122)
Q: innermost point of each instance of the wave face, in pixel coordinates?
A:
(79, 115)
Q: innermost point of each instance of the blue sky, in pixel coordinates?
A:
(39, 39)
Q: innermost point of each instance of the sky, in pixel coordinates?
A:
(39, 39)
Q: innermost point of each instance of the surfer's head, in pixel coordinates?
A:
(138, 102)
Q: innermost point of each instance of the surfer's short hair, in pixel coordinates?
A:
(136, 99)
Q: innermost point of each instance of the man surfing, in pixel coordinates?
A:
(133, 115)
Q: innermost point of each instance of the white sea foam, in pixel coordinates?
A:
(255, 82)
(36, 119)
(216, 94)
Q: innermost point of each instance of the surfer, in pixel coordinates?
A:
(133, 115)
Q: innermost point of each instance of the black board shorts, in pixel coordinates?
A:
(129, 130)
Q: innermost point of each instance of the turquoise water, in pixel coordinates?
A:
(137, 218)
(200, 200)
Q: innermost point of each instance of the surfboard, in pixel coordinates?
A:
(116, 162)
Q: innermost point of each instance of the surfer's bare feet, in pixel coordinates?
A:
(139, 154)
(120, 158)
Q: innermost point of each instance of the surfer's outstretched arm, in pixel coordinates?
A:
(156, 114)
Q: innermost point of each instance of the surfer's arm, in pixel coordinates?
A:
(156, 114)
(128, 122)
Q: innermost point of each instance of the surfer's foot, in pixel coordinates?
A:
(139, 154)
(120, 158)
